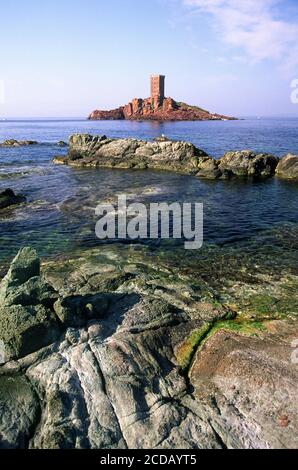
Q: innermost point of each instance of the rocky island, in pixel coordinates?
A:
(157, 108)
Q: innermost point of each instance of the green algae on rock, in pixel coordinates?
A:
(160, 353)
(20, 411)
(27, 318)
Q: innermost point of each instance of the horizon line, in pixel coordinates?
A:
(84, 118)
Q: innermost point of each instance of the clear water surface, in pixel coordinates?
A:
(59, 215)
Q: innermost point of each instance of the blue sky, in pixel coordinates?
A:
(68, 57)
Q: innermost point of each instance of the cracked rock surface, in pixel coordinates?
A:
(149, 355)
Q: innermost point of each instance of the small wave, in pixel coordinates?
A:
(154, 190)
(15, 175)
(23, 172)
(28, 211)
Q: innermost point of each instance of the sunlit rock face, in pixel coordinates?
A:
(288, 167)
(165, 154)
(157, 109)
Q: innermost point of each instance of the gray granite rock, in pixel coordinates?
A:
(100, 151)
(19, 411)
(247, 163)
(27, 319)
(164, 154)
(152, 359)
(287, 167)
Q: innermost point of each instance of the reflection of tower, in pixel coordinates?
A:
(157, 89)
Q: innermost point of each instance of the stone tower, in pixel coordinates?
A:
(158, 88)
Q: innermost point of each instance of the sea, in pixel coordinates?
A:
(59, 216)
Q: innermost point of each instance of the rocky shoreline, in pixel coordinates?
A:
(12, 143)
(106, 350)
(18, 143)
(164, 154)
(137, 347)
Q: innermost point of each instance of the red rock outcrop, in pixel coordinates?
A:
(157, 109)
(113, 115)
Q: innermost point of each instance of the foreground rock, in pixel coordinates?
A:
(160, 361)
(32, 314)
(9, 198)
(20, 411)
(100, 151)
(27, 319)
(18, 143)
(164, 154)
(288, 167)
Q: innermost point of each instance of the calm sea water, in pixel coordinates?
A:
(59, 215)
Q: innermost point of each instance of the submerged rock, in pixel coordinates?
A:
(9, 198)
(18, 143)
(287, 167)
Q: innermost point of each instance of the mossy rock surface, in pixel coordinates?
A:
(19, 410)
(27, 318)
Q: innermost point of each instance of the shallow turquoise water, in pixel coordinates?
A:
(59, 215)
